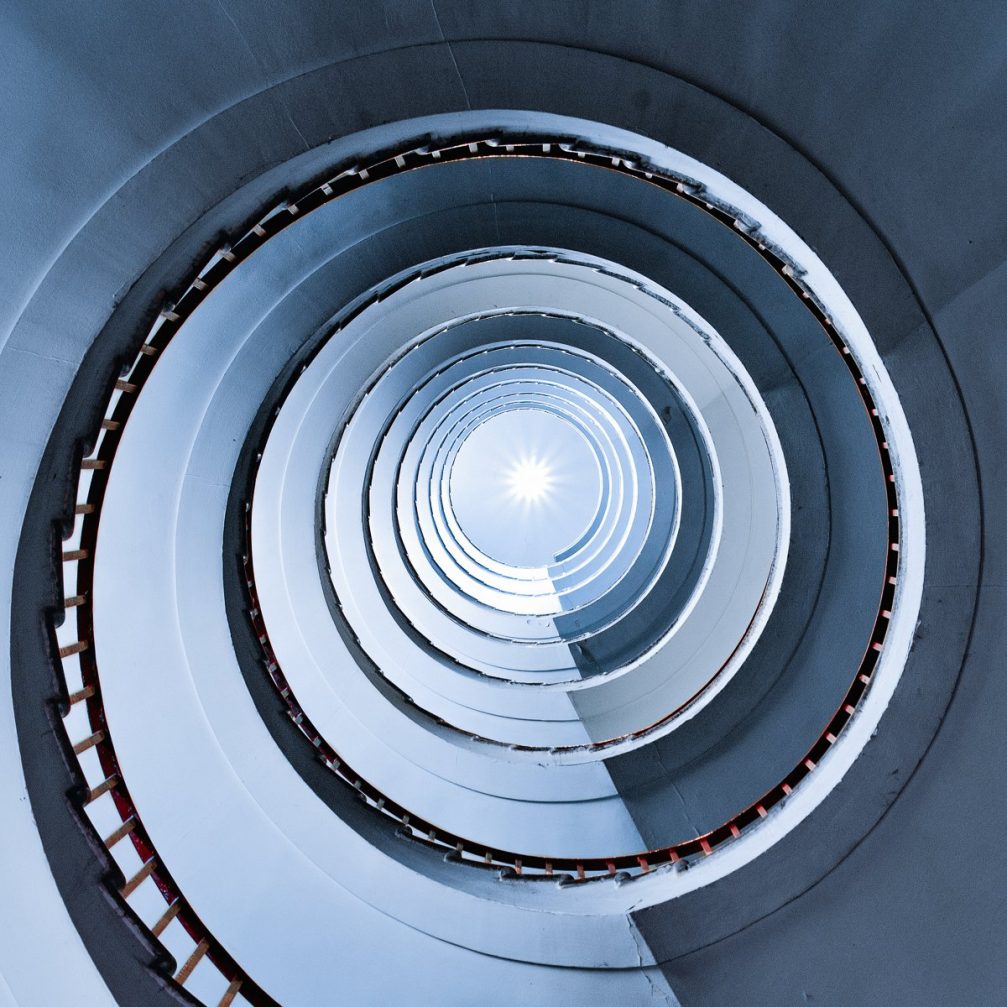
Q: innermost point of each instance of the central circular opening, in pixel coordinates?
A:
(525, 487)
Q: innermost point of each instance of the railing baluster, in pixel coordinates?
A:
(166, 917)
(141, 875)
(89, 742)
(230, 993)
(192, 961)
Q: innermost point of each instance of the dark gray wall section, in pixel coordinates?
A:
(878, 131)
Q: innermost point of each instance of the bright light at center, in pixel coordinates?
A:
(530, 480)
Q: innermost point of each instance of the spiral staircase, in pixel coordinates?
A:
(502, 503)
